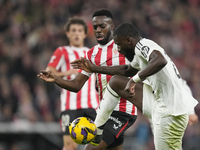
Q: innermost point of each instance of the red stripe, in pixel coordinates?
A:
(109, 60)
(109, 55)
(121, 129)
(67, 60)
(122, 62)
(78, 98)
(133, 110)
(89, 91)
(55, 60)
(67, 104)
(97, 62)
(122, 104)
(89, 53)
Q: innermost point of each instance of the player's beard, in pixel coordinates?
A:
(129, 54)
(106, 39)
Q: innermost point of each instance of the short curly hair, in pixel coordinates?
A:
(103, 12)
(127, 29)
(76, 20)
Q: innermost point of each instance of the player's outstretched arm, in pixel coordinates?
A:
(60, 73)
(72, 85)
(47, 76)
(86, 65)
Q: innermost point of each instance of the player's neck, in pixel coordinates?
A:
(77, 46)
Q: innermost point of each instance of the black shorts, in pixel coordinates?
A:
(68, 116)
(117, 124)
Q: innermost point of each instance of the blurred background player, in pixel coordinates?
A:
(73, 104)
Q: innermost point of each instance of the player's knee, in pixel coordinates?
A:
(118, 82)
(113, 81)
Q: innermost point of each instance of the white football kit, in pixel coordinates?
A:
(165, 100)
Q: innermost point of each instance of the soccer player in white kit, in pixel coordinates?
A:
(165, 100)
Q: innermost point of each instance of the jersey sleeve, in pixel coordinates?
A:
(84, 72)
(55, 59)
(145, 47)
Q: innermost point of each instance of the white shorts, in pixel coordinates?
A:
(168, 130)
(169, 133)
(148, 101)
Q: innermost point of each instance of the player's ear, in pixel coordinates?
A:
(128, 40)
(112, 26)
(67, 34)
(85, 35)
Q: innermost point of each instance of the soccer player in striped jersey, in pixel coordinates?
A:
(73, 104)
(105, 53)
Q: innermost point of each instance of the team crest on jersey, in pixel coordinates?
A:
(115, 51)
(145, 51)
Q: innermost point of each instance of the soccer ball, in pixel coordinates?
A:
(82, 130)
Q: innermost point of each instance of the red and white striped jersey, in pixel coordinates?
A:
(108, 55)
(87, 97)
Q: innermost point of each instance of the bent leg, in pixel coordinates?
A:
(113, 92)
(106, 107)
(118, 83)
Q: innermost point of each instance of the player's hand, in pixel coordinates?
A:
(47, 76)
(130, 88)
(82, 63)
(193, 119)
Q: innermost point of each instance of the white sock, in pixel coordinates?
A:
(106, 107)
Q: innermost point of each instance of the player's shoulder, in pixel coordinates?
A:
(145, 41)
(145, 44)
(61, 48)
(92, 49)
(86, 48)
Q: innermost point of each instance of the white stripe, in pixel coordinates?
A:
(129, 107)
(93, 90)
(63, 97)
(84, 95)
(73, 101)
(60, 63)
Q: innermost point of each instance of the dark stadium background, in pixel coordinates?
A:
(30, 30)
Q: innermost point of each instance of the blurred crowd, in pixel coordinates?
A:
(30, 31)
